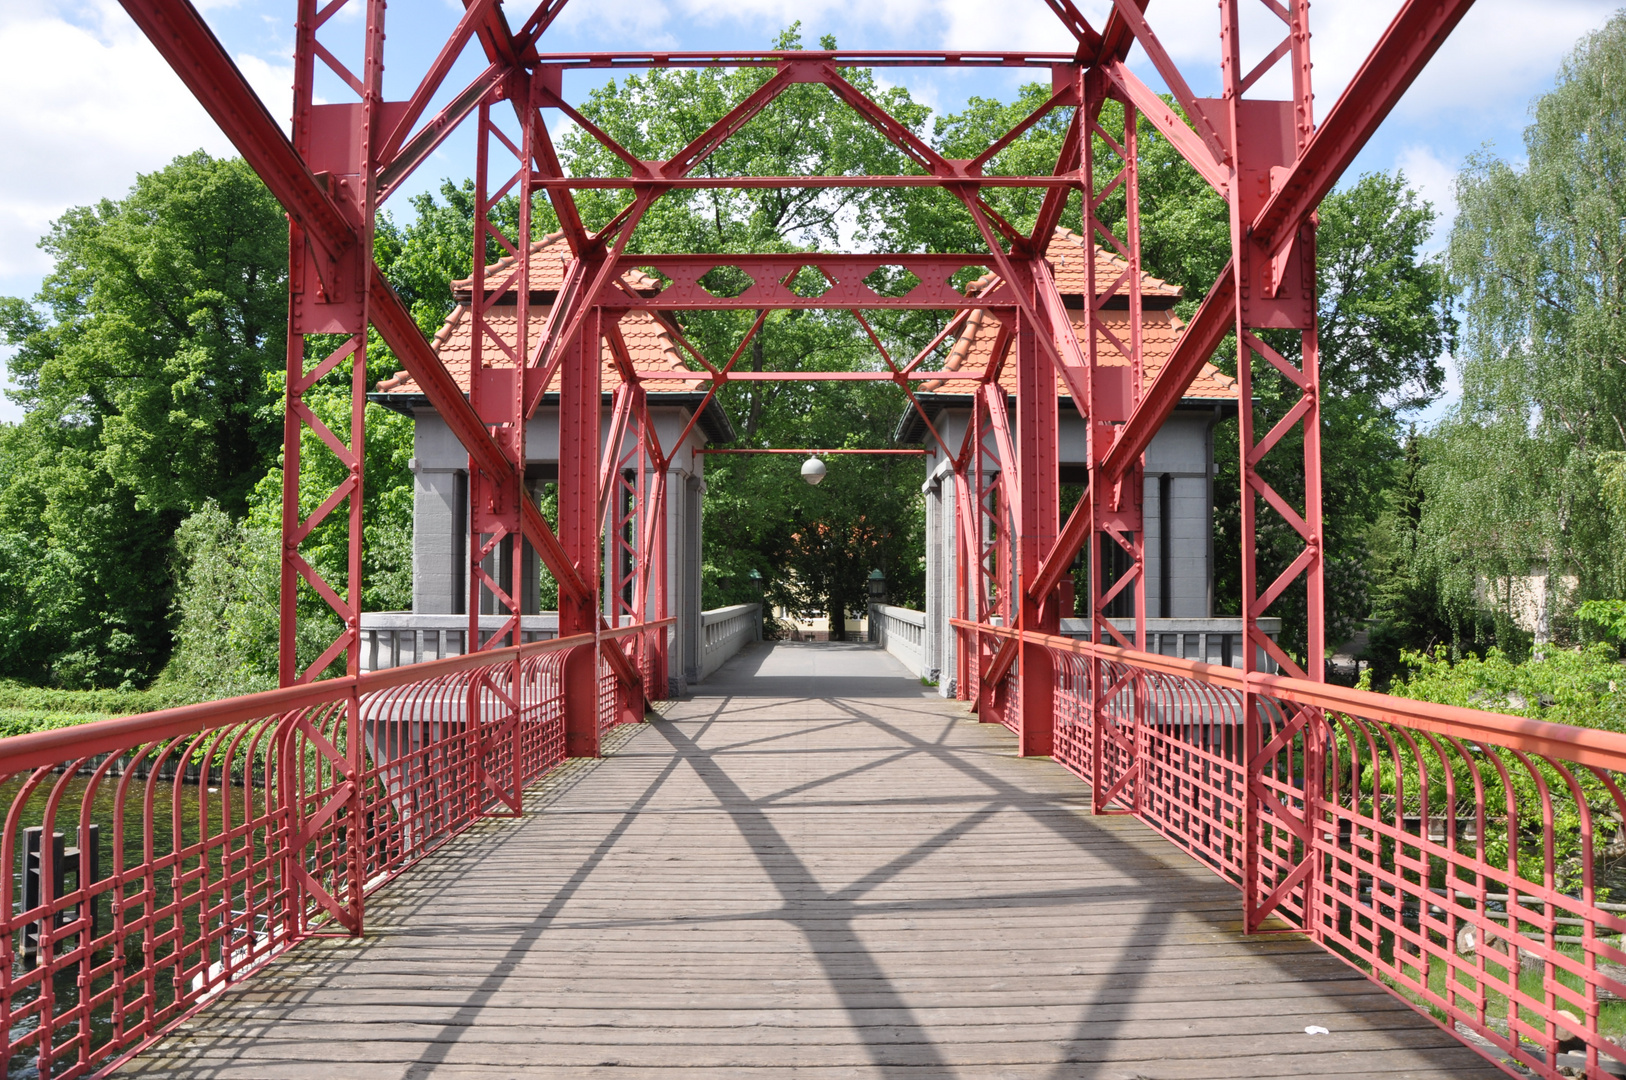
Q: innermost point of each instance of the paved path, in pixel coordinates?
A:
(815, 867)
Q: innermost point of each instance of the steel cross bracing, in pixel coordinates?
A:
(1269, 160)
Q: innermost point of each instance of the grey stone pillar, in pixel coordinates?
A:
(439, 541)
(932, 642)
(949, 534)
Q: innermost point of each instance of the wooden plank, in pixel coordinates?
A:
(785, 873)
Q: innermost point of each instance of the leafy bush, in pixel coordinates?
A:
(1582, 687)
(1606, 617)
(23, 721)
(18, 697)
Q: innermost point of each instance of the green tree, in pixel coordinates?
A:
(1519, 478)
(1384, 320)
(813, 546)
(141, 366)
(162, 315)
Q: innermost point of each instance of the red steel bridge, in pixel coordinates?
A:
(1456, 857)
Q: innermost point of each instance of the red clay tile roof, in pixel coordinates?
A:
(648, 342)
(1160, 328)
(651, 346)
(1066, 255)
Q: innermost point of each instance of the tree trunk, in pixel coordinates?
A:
(838, 620)
(754, 417)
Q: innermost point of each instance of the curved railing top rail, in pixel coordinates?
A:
(1584, 746)
(40, 748)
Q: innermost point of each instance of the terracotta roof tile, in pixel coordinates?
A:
(1066, 255)
(1159, 331)
(1160, 327)
(648, 342)
(549, 259)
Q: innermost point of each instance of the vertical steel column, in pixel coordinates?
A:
(654, 604)
(330, 296)
(1117, 519)
(580, 375)
(496, 392)
(1039, 504)
(1275, 291)
(327, 296)
(966, 648)
(626, 552)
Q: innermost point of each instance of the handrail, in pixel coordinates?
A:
(35, 748)
(1462, 857)
(148, 861)
(1585, 746)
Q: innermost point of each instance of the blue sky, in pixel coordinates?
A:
(88, 103)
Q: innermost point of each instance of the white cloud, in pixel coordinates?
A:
(89, 103)
(1436, 179)
(1501, 54)
(617, 21)
(1014, 24)
(274, 83)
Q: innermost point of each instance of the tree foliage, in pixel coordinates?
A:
(1523, 478)
(814, 547)
(142, 366)
(150, 366)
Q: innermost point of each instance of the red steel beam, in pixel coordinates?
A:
(185, 41)
(1058, 561)
(401, 334)
(1411, 40)
(779, 450)
(1208, 327)
(473, 15)
(1213, 320)
(1117, 38)
(774, 58)
(182, 37)
(809, 376)
(401, 163)
(1180, 135)
(568, 183)
(920, 265)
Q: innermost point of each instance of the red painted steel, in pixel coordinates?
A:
(777, 450)
(204, 840)
(769, 58)
(1206, 756)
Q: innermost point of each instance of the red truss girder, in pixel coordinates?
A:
(881, 58)
(1268, 159)
(775, 285)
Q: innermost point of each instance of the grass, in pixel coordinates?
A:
(1464, 992)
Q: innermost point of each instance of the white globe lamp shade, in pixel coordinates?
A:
(813, 471)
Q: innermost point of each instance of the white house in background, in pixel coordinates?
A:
(1179, 500)
(438, 621)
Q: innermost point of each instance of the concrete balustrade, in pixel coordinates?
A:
(392, 639)
(902, 632)
(725, 631)
(1210, 641)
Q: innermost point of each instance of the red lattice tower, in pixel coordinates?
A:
(1267, 158)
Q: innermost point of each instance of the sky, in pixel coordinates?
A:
(89, 104)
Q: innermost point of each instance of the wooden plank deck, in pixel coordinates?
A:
(817, 867)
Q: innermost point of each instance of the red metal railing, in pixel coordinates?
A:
(1473, 862)
(152, 860)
